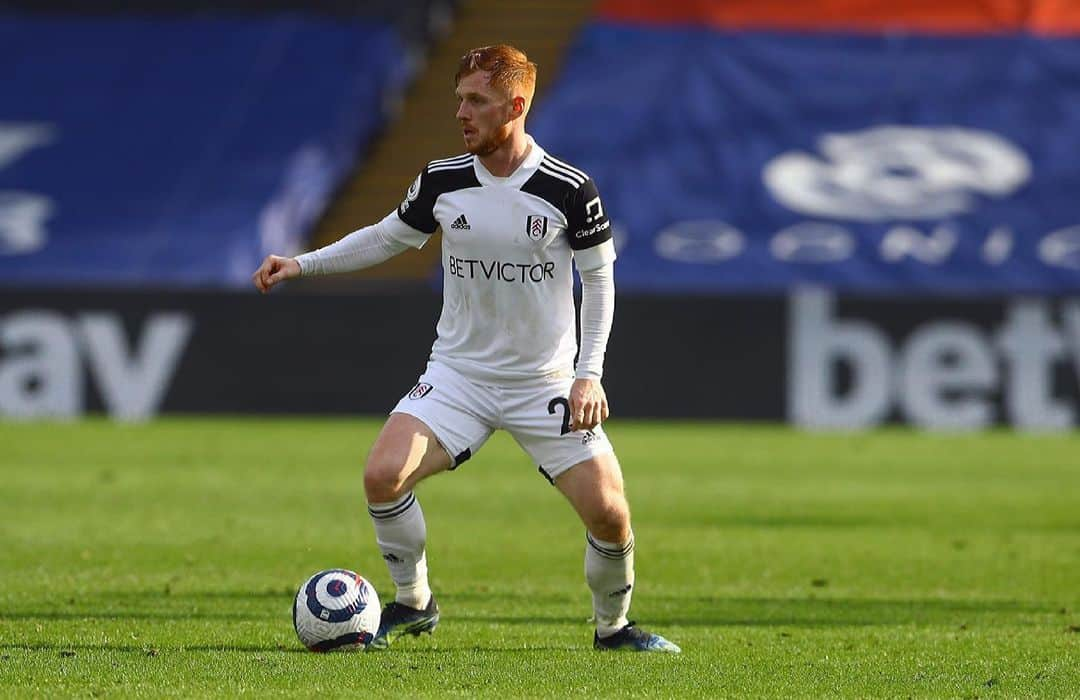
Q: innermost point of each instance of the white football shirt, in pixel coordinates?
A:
(508, 243)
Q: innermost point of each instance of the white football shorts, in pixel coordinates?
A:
(463, 413)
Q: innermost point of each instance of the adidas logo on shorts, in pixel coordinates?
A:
(461, 223)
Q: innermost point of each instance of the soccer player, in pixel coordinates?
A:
(513, 217)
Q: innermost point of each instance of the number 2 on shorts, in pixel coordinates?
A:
(560, 401)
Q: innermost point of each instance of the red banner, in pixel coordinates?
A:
(1049, 17)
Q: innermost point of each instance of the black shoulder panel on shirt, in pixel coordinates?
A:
(554, 190)
(449, 179)
(439, 177)
(573, 193)
(587, 225)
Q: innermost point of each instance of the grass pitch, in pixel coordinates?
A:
(162, 559)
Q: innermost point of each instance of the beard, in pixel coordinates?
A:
(493, 142)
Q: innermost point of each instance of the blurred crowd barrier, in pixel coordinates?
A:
(816, 359)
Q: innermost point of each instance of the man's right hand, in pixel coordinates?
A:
(273, 270)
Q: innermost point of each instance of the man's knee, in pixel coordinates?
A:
(384, 478)
(611, 520)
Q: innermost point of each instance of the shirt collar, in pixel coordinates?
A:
(519, 176)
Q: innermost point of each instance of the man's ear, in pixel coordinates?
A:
(517, 107)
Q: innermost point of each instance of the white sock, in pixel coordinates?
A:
(609, 569)
(401, 533)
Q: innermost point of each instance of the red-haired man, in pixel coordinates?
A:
(513, 218)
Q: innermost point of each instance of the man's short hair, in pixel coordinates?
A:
(511, 70)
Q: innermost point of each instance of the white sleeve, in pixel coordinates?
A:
(597, 311)
(596, 256)
(362, 248)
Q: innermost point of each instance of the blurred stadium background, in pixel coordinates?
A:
(830, 214)
(837, 213)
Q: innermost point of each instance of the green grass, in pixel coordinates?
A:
(161, 559)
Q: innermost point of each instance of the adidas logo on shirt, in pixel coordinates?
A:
(461, 223)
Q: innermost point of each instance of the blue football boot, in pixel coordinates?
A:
(398, 619)
(633, 638)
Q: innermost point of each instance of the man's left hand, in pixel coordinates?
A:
(588, 404)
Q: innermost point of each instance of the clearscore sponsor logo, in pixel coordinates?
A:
(585, 233)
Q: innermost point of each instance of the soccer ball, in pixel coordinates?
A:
(336, 610)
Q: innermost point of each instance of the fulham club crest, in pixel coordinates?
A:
(536, 227)
(420, 390)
